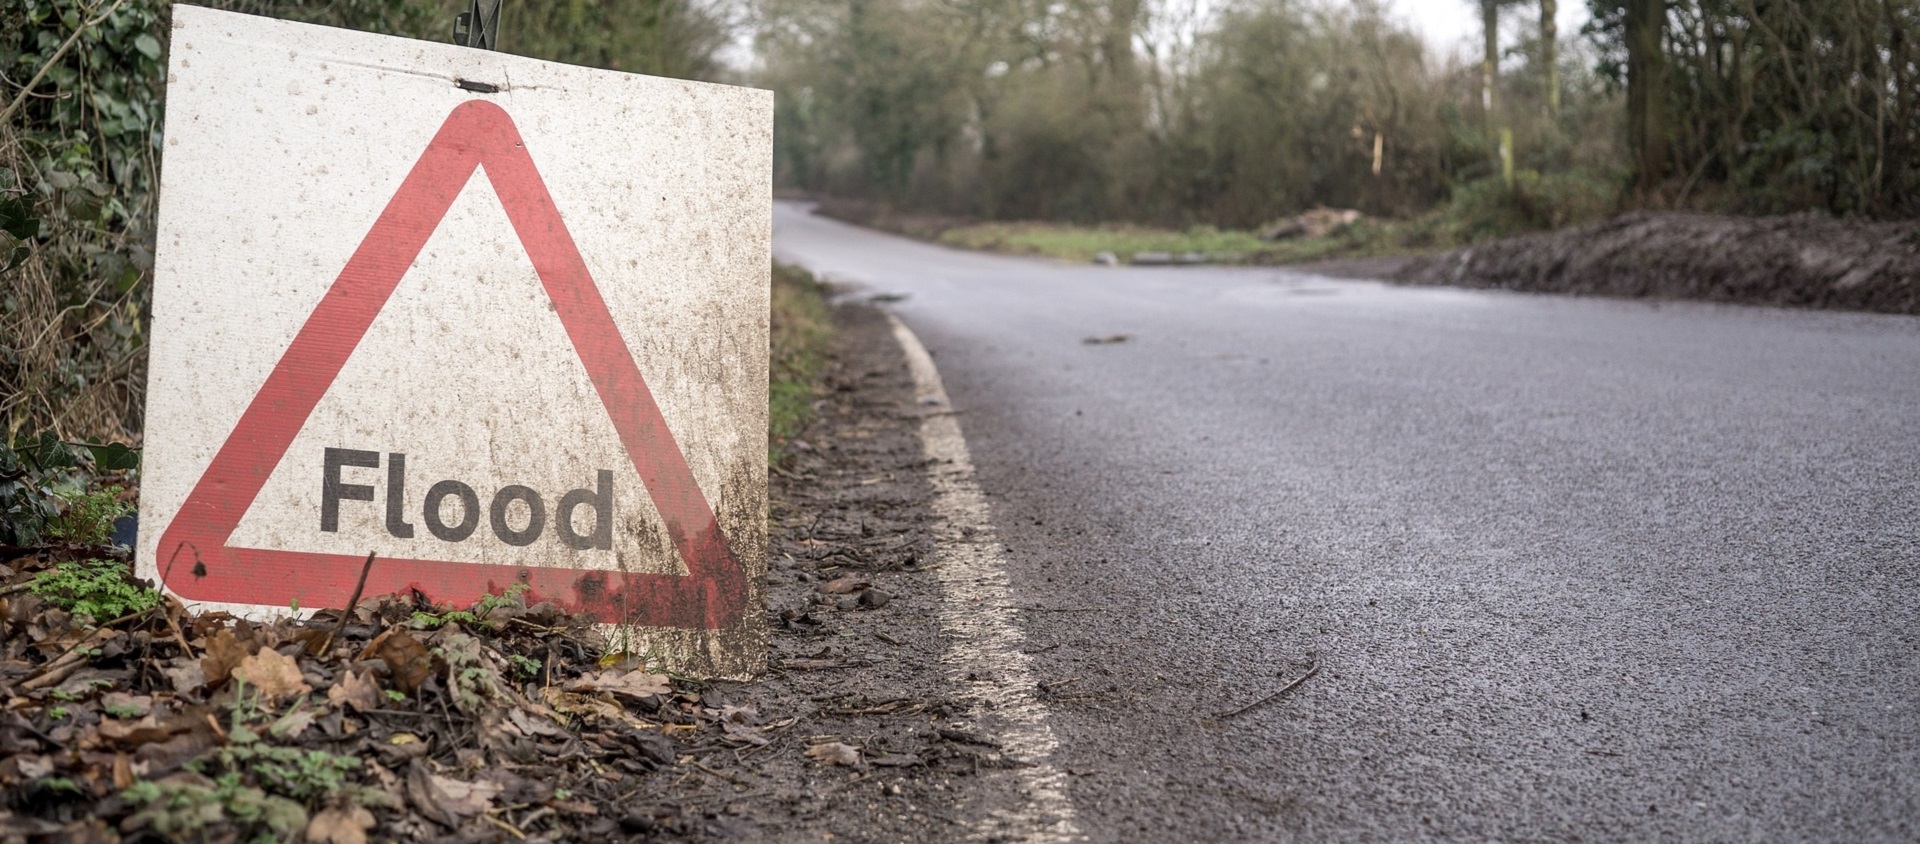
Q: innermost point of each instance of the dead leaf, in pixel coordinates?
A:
(175, 740)
(593, 705)
(122, 771)
(186, 674)
(135, 733)
(835, 753)
(409, 663)
(355, 690)
(56, 672)
(340, 826)
(388, 780)
(224, 653)
(425, 799)
(530, 724)
(445, 800)
(276, 675)
(736, 714)
(123, 705)
(90, 681)
(466, 799)
(634, 684)
(312, 639)
(292, 724)
(750, 735)
(34, 767)
(402, 746)
(843, 586)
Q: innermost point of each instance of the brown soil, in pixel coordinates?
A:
(853, 505)
(1799, 261)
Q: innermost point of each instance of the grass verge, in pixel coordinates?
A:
(1080, 244)
(802, 330)
(1478, 211)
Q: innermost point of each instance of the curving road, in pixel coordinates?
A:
(1574, 569)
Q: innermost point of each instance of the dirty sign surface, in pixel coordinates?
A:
(494, 320)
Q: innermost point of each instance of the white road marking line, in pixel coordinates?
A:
(985, 660)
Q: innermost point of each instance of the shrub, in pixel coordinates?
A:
(100, 589)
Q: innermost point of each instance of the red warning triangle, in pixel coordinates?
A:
(194, 558)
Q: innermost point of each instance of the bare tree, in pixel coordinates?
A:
(1550, 53)
(1490, 62)
(1646, 71)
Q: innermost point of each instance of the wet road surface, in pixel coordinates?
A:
(1573, 569)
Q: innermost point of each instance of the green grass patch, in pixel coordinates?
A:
(802, 330)
(1478, 211)
(1080, 243)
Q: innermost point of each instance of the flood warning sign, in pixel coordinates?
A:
(512, 337)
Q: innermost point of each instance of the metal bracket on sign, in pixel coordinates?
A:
(479, 25)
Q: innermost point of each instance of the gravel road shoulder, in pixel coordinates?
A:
(856, 674)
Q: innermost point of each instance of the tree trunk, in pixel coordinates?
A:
(1550, 53)
(1490, 62)
(1116, 44)
(1646, 96)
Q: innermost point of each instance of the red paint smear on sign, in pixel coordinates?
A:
(194, 559)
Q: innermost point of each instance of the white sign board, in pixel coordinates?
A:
(492, 320)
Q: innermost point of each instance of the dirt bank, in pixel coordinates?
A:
(1796, 261)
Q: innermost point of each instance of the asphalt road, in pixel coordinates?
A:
(1574, 569)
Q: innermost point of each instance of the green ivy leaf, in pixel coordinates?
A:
(112, 457)
(16, 217)
(18, 257)
(147, 45)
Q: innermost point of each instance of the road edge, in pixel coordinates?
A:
(986, 660)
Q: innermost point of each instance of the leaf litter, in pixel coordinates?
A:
(514, 722)
(340, 728)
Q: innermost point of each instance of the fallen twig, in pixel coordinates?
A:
(351, 603)
(173, 624)
(66, 662)
(509, 828)
(1311, 670)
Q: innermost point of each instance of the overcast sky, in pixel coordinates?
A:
(1455, 24)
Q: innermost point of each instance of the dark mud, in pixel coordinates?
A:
(1795, 261)
(855, 671)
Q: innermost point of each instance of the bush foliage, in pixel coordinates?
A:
(79, 163)
(1240, 112)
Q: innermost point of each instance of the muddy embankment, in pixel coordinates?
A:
(1795, 261)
